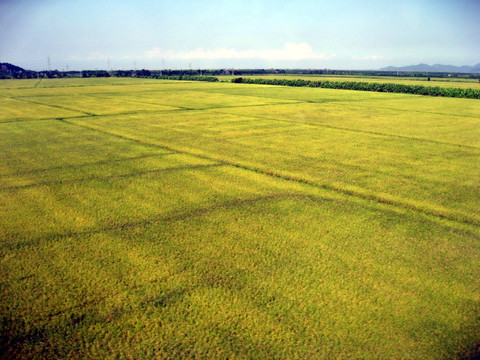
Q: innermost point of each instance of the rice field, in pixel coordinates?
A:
(169, 219)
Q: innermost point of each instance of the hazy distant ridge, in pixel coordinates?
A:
(436, 68)
(10, 67)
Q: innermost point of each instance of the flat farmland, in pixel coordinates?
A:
(171, 219)
(442, 82)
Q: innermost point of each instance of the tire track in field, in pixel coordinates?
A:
(172, 217)
(219, 108)
(220, 91)
(109, 97)
(41, 119)
(417, 111)
(50, 105)
(357, 102)
(365, 195)
(109, 177)
(291, 102)
(178, 215)
(340, 128)
(137, 112)
(101, 162)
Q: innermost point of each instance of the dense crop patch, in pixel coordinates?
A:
(367, 86)
(216, 220)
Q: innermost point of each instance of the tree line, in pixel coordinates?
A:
(185, 77)
(366, 86)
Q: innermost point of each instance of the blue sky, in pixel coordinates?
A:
(341, 34)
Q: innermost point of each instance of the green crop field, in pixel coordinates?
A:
(148, 218)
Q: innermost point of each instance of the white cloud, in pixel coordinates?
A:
(95, 55)
(371, 57)
(290, 51)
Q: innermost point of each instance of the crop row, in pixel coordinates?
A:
(364, 86)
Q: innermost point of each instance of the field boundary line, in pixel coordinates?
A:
(358, 131)
(49, 105)
(41, 119)
(292, 102)
(108, 97)
(217, 91)
(178, 215)
(356, 102)
(101, 162)
(359, 104)
(109, 177)
(349, 192)
(175, 215)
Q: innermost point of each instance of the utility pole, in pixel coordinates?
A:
(48, 60)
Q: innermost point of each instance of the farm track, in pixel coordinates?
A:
(102, 162)
(110, 177)
(358, 194)
(361, 131)
(193, 109)
(50, 105)
(41, 119)
(176, 216)
(180, 215)
(358, 102)
(218, 110)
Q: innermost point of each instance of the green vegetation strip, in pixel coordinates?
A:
(185, 77)
(367, 86)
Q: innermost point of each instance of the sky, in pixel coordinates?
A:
(207, 34)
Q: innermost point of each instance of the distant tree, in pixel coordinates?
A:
(143, 72)
(101, 73)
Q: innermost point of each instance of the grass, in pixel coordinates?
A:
(191, 220)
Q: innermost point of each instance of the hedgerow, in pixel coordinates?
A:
(186, 77)
(364, 86)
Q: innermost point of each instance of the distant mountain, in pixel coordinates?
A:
(6, 67)
(436, 68)
(9, 71)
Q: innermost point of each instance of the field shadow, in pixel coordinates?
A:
(472, 354)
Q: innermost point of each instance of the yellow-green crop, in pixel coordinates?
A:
(162, 219)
